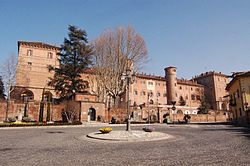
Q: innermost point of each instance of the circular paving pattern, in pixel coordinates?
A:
(133, 135)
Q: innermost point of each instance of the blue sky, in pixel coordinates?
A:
(194, 35)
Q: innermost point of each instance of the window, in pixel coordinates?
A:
(234, 96)
(150, 83)
(143, 93)
(158, 94)
(198, 97)
(29, 52)
(180, 88)
(165, 94)
(240, 112)
(150, 94)
(50, 55)
(186, 97)
(191, 88)
(135, 92)
(238, 93)
(29, 63)
(193, 97)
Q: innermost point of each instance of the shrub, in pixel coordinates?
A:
(100, 118)
(11, 119)
(187, 118)
(113, 120)
(27, 124)
(118, 122)
(26, 119)
(165, 121)
(105, 130)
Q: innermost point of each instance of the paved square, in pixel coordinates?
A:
(194, 145)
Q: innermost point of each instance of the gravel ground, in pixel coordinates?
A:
(193, 145)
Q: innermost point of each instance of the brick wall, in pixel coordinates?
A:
(32, 110)
(99, 109)
(199, 118)
(120, 114)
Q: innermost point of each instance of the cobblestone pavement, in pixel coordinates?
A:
(194, 145)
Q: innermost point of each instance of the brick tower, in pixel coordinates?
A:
(171, 81)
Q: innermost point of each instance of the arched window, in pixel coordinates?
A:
(27, 95)
(151, 101)
(47, 96)
(179, 112)
(194, 112)
(193, 97)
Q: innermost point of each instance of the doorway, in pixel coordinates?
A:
(92, 114)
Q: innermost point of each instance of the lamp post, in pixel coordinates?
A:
(158, 109)
(25, 105)
(129, 77)
(41, 107)
(48, 118)
(173, 108)
(148, 110)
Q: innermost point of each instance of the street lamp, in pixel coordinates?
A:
(130, 78)
(158, 108)
(173, 108)
(25, 98)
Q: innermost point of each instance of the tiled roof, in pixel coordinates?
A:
(188, 82)
(38, 44)
(160, 78)
(153, 77)
(237, 75)
(207, 74)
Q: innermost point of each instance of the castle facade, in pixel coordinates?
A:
(32, 77)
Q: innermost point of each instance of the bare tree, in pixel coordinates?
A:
(71, 112)
(95, 85)
(114, 49)
(9, 78)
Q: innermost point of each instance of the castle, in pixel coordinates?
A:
(163, 92)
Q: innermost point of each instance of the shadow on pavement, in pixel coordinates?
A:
(55, 132)
(241, 130)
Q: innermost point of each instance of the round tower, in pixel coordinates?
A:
(170, 75)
